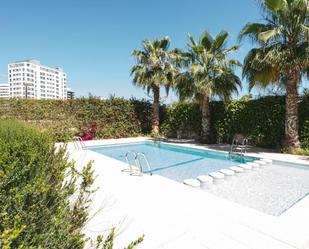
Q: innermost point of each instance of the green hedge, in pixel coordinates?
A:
(182, 120)
(116, 117)
(304, 121)
(34, 199)
(262, 120)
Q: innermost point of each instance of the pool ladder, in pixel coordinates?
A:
(238, 149)
(78, 143)
(137, 169)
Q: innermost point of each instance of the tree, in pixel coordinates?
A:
(282, 54)
(207, 72)
(153, 69)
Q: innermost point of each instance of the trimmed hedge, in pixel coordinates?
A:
(262, 120)
(182, 120)
(115, 117)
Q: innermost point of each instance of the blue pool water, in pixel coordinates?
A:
(175, 162)
(272, 189)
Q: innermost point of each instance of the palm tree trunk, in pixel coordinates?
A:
(291, 115)
(156, 110)
(205, 119)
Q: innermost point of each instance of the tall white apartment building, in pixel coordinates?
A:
(4, 91)
(31, 79)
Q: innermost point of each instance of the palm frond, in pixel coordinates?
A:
(193, 42)
(283, 42)
(220, 40)
(164, 43)
(206, 40)
(258, 71)
(208, 67)
(155, 64)
(275, 5)
(253, 30)
(269, 34)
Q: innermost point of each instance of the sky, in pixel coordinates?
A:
(93, 40)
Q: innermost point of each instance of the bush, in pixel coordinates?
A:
(115, 117)
(41, 204)
(304, 120)
(183, 120)
(297, 151)
(261, 120)
(35, 211)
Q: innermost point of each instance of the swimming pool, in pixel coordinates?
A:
(175, 162)
(271, 190)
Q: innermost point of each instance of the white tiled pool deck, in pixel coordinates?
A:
(175, 216)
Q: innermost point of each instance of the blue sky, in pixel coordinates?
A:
(93, 40)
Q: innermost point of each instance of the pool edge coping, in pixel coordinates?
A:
(289, 215)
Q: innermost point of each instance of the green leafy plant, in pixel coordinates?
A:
(154, 68)
(261, 120)
(183, 120)
(296, 151)
(44, 200)
(207, 72)
(281, 55)
(116, 117)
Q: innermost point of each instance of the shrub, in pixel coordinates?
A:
(261, 120)
(183, 120)
(115, 117)
(33, 199)
(297, 151)
(41, 204)
(304, 121)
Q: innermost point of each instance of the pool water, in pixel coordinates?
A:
(175, 162)
(271, 190)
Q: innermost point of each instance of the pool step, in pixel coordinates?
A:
(192, 183)
(261, 163)
(254, 165)
(237, 170)
(246, 167)
(217, 176)
(206, 181)
(228, 173)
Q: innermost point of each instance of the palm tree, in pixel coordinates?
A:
(282, 54)
(154, 68)
(207, 73)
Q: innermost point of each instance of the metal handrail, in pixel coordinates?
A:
(128, 161)
(139, 169)
(145, 159)
(78, 143)
(242, 147)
